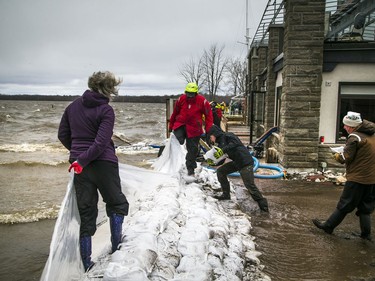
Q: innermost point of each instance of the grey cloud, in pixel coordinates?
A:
(55, 42)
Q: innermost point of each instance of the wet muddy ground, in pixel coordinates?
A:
(292, 247)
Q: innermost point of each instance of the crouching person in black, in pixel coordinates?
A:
(242, 161)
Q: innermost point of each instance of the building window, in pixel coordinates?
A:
(257, 113)
(357, 97)
(277, 106)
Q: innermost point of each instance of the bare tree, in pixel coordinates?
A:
(192, 71)
(214, 64)
(208, 71)
(237, 76)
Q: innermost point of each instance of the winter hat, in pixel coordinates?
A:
(352, 119)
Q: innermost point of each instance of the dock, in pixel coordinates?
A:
(236, 125)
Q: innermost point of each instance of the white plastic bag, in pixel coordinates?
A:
(210, 155)
(172, 159)
(339, 149)
(64, 261)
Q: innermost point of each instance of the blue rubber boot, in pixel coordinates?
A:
(115, 221)
(85, 247)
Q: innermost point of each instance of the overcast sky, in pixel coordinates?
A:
(52, 46)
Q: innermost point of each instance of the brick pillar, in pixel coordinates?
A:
(254, 61)
(258, 105)
(302, 77)
(274, 49)
(258, 62)
(262, 54)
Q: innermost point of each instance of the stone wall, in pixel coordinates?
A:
(253, 68)
(302, 78)
(274, 50)
(258, 64)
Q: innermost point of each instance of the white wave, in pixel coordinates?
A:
(136, 149)
(40, 212)
(32, 147)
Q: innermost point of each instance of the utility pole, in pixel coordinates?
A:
(247, 36)
(247, 90)
(247, 25)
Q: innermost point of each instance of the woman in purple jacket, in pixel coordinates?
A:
(86, 130)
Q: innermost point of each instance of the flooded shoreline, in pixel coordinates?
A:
(293, 248)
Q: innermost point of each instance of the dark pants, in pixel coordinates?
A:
(102, 176)
(247, 176)
(192, 147)
(356, 195)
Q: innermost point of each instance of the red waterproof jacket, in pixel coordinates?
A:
(188, 112)
(219, 113)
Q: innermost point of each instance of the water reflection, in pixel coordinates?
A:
(293, 249)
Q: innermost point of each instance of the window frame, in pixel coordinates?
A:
(341, 96)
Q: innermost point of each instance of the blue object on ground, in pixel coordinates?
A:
(256, 167)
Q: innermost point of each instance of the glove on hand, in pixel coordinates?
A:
(76, 167)
(218, 153)
(210, 162)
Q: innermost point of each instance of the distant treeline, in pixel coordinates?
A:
(133, 99)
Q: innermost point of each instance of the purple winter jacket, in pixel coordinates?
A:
(86, 129)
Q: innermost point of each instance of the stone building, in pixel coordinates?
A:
(308, 64)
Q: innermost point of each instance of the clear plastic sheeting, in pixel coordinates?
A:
(175, 231)
(64, 261)
(173, 157)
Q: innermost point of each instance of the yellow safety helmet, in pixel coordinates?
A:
(191, 88)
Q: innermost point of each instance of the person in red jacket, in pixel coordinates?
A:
(217, 114)
(186, 122)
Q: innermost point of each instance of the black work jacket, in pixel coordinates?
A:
(233, 147)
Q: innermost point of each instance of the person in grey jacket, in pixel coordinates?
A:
(359, 189)
(86, 130)
(242, 161)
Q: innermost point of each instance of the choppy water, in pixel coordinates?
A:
(33, 163)
(34, 176)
